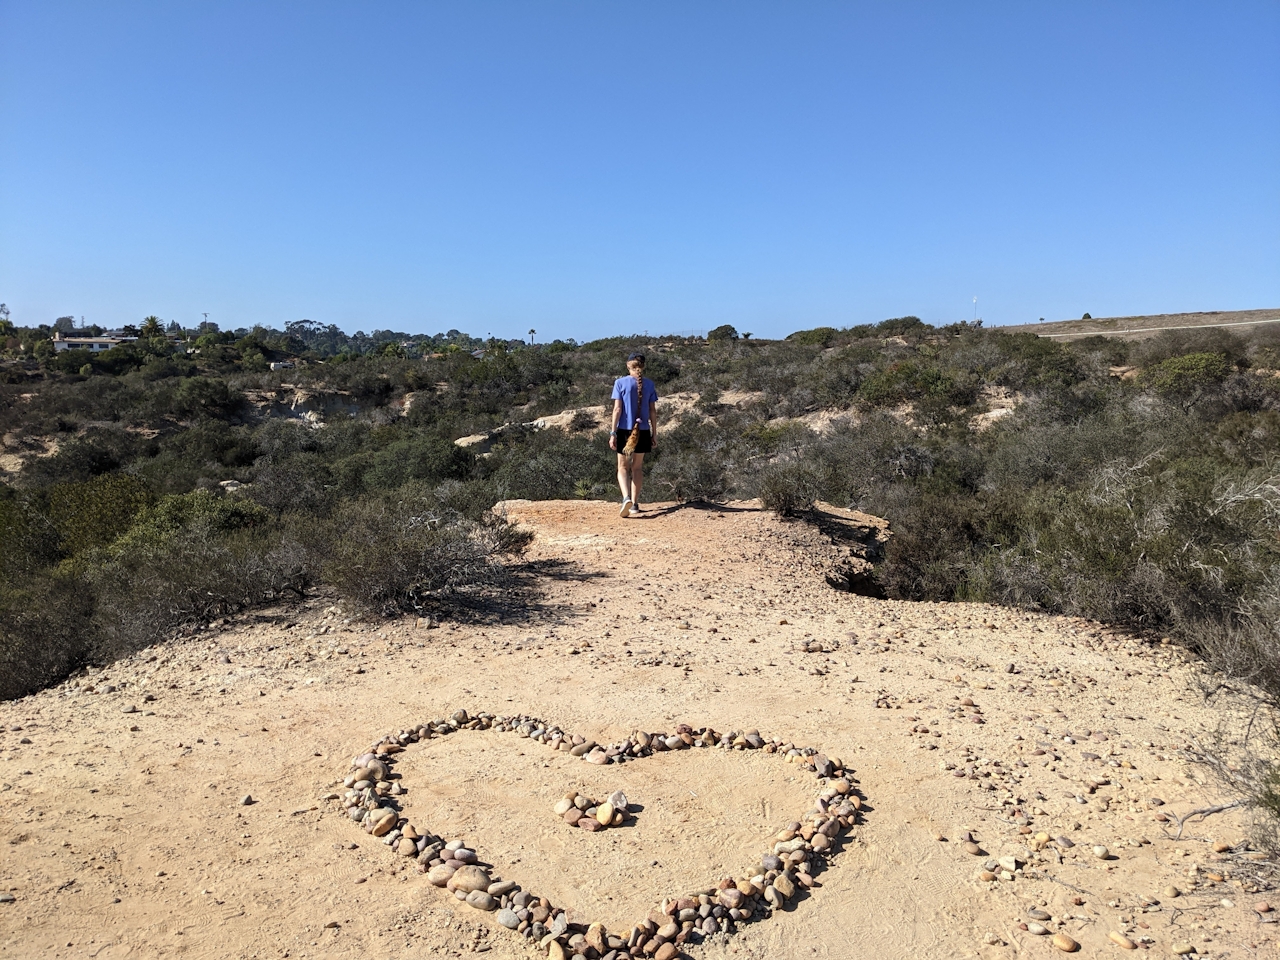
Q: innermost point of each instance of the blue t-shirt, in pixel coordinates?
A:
(628, 391)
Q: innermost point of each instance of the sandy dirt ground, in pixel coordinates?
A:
(123, 834)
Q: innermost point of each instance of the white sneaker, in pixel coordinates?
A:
(626, 508)
(635, 508)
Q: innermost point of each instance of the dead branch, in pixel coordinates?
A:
(1205, 812)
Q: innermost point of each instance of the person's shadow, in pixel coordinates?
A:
(707, 506)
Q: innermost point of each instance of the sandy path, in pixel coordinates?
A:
(133, 843)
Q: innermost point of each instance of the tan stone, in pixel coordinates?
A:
(440, 874)
(596, 937)
(469, 878)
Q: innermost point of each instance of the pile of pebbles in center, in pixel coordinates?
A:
(796, 853)
(579, 810)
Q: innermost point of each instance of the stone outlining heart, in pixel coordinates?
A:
(797, 852)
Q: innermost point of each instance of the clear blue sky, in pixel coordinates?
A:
(607, 167)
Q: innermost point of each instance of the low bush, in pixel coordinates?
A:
(790, 488)
(46, 631)
(583, 420)
(548, 465)
(903, 327)
(688, 474)
(818, 336)
(910, 381)
(83, 456)
(158, 526)
(160, 580)
(1186, 376)
(386, 555)
(93, 513)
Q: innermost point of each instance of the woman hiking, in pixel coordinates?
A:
(634, 430)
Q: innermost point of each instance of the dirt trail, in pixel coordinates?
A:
(120, 842)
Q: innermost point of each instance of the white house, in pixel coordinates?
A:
(92, 344)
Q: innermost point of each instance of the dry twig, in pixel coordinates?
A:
(1205, 812)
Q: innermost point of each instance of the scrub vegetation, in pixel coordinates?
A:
(1133, 483)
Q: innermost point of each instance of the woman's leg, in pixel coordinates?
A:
(637, 476)
(624, 476)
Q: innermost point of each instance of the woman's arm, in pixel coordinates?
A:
(613, 427)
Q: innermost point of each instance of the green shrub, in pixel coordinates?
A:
(903, 327)
(790, 488)
(71, 361)
(818, 336)
(1187, 375)
(206, 396)
(1179, 343)
(28, 539)
(583, 420)
(300, 483)
(1030, 362)
(385, 556)
(723, 332)
(81, 457)
(428, 458)
(661, 369)
(156, 581)
(171, 516)
(688, 474)
(905, 382)
(46, 631)
(95, 512)
(548, 464)
(933, 547)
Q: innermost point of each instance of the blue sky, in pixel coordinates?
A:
(598, 168)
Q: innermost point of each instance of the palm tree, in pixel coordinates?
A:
(151, 328)
(531, 333)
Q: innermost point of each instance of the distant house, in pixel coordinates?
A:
(92, 344)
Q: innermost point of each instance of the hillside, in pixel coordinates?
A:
(162, 486)
(123, 788)
(1144, 328)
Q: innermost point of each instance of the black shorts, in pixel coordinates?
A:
(643, 445)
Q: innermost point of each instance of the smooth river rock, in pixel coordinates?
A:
(470, 878)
